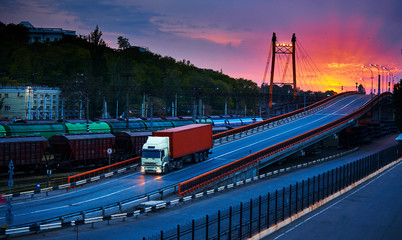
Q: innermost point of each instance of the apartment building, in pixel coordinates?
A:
(29, 102)
(45, 34)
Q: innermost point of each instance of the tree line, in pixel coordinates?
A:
(85, 68)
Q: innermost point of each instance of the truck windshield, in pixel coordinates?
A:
(146, 153)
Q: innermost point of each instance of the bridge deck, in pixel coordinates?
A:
(169, 218)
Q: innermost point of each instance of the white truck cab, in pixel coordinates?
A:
(155, 154)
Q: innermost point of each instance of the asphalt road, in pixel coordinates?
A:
(371, 211)
(372, 214)
(116, 189)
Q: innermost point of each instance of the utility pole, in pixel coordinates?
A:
(379, 77)
(199, 104)
(152, 113)
(127, 123)
(143, 106)
(117, 108)
(172, 109)
(194, 109)
(29, 103)
(44, 107)
(194, 104)
(104, 107)
(226, 107)
(87, 112)
(237, 102)
(175, 105)
(62, 115)
(9, 214)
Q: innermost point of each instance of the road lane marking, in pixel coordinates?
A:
(152, 180)
(281, 133)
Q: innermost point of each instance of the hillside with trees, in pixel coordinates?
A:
(85, 67)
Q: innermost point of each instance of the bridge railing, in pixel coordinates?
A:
(103, 170)
(230, 168)
(274, 119)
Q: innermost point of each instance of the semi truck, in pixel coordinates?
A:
(169, 149)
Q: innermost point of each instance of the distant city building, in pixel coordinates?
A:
(29, 103)
(45, 34)
(141, 49)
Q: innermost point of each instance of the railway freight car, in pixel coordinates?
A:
(120, 125)
(74, 150)
(45, 129)
(3, 131)
(80, 127)
(129, 144)
(27, 153)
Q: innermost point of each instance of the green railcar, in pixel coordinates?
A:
(158, 125)
(179, 123)
(81, 127)
(76, 127)
(118, 126)
(46, 130)
(3, 131)
(99, 127)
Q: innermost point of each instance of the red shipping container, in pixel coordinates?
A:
(187, 139)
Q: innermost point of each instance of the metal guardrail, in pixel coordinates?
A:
(103, 209)
(103, 170)
(277, 118)
(96, 174)
(158, 205)
(205, 179)
(284, 204)
(81, 179)
(106, 169)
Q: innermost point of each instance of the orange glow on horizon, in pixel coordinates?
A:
(339, 51)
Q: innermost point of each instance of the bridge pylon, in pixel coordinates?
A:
(282, 48)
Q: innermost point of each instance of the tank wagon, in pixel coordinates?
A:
(48, 128)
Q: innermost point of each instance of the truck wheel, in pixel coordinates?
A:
(180, 164)
(196, 157)
(204, 156)
(166, 169)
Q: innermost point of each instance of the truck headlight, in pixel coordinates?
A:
(158, 169)
(142, 169)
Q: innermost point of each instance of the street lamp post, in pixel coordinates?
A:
(397, 80)
(372, 77)
(387, 79)
(383, 78)
(379, 77)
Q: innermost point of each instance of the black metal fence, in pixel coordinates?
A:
(245, 220)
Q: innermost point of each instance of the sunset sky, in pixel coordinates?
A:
(235, 35)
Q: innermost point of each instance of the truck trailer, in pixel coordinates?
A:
(169, 149)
